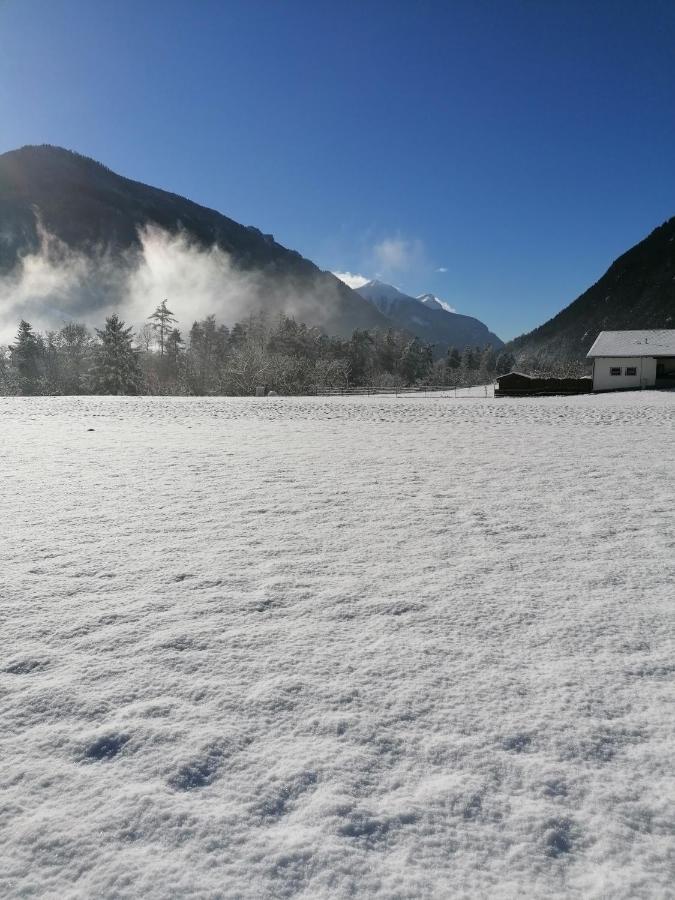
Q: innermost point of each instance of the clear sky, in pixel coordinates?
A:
(499, 154)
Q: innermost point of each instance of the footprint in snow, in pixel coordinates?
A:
(26, 666)
(106, 746)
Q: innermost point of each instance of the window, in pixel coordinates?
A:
(615, 370)
(631, 370)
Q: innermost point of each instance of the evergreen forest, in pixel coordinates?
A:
(278, 354)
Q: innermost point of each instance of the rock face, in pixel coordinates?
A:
(426, 318)
(636, 292)
(92, 211)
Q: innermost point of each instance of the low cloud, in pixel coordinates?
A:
(351, 279)
(441, 269)
(56, 285)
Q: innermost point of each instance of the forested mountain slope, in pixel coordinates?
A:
(637, 291)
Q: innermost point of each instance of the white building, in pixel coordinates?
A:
(633, 359)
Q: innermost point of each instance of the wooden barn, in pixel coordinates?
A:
(516, 384)
(627, 360)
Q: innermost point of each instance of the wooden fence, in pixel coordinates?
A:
(477, 391)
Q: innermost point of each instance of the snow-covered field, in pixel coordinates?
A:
(335, 647)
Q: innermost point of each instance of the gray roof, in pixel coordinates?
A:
(634, 343)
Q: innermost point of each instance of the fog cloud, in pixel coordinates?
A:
(57, 285)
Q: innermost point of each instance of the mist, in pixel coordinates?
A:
(57, 285)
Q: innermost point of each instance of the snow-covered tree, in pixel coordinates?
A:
(28, 358)
(73, 347)
(116, 368)
(488, 360)
(10, 383)
(416, 362)
(174, 345)
(468, 359)
(453, 360)
(505, 363)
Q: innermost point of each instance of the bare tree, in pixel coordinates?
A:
(145, 338)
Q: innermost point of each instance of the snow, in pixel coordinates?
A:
(376, 646)
(634, 343)
(434, 302)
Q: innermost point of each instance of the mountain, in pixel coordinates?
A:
(434, 302)
(636, 292)
(428, 319)
(69, 210)
(385, 297)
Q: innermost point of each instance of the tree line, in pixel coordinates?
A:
(277, 354)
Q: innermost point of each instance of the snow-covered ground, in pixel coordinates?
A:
(335, 647)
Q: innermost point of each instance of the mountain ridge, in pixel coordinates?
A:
(636, 292)
(95, 211)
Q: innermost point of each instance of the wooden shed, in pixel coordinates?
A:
(517, 384)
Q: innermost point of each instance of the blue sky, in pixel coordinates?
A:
(498, 154)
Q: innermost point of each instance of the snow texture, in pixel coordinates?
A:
(634, 343)
(336, 647)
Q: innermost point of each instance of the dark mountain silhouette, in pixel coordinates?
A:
(93, 211)
(636, 292)
(428, 320)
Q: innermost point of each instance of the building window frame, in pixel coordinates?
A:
(615, 370)
(631, 371)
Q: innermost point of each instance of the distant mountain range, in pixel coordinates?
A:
(428, 318)
(636, 292)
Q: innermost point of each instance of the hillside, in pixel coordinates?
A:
(100, 215)
(637, 291)
(426, 318)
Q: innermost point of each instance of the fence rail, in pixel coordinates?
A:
(476, 390)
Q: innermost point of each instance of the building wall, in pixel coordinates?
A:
(645, 372)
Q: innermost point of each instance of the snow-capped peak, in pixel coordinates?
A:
(382, 286)
(381, 291)
(434, 302)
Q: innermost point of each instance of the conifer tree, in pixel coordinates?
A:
(162, 320)
(416, 361)
(468, 359)
(505, 362)
(237, 335)
(360, 351)
(453, 360)
(116, 370)
(174, 345)
(74, 348)
(27, 355)
(488, 360)
(388, 352)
